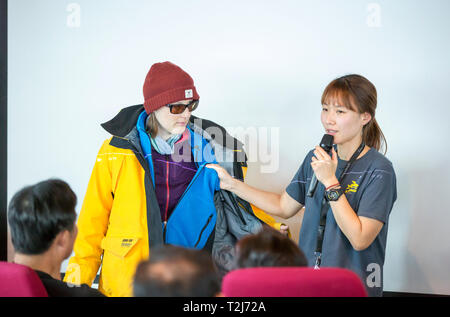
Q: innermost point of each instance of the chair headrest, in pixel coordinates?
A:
(292, 282)
(20, 281)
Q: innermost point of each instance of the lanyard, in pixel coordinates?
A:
(325, 206)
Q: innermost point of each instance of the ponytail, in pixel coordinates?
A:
(373, 136)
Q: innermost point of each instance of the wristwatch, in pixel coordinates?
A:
(333, 194)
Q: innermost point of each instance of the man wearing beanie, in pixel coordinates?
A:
(149, 187)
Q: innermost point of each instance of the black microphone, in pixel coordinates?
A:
(326, 144)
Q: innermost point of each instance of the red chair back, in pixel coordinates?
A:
(292, 282)
(20, 281)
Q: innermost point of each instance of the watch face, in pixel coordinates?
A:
(334, 195)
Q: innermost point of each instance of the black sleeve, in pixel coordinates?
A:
(86, 291)
(57, 288)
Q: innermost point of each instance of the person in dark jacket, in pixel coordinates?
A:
(42, 222)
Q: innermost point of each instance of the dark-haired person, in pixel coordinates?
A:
(174, 271)
(358, 202)
(268, 247)
(42, 218)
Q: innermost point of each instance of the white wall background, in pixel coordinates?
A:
(260, 64)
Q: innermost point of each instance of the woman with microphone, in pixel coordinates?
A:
(345, 222)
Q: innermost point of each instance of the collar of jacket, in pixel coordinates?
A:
(228, 149)
(124, 122)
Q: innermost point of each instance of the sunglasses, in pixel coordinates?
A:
(179, 108)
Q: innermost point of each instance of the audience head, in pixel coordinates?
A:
(268, 247)
(173, 271)
(42, 217)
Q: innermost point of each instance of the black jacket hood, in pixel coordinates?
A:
(122, 124)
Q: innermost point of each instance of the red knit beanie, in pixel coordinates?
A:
(167, 83)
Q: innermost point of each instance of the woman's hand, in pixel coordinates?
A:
(226, 180)
(325, 166)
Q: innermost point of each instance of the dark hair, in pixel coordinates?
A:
(268, 247)
(173, 271)
(37, 213)
(152, 124)
(358, 94)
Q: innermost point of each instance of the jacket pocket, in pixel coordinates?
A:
(202, 231)
(121, 255)
(119, 246)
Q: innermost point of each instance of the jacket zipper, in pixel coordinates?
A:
(203, 229)
(164, 231)
(167, 200)
(167, 191)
